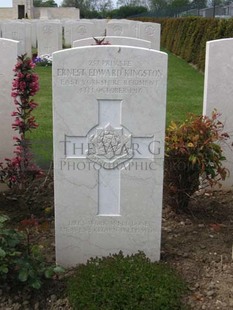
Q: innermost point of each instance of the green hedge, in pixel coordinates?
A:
(187, 36)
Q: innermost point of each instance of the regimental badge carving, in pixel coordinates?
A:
(81, 30)
(47, 29)
(150, 30)
(109, 146)
(117, 29)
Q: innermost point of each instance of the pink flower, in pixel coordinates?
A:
(33, 104)
(14, 94)
(24, 86)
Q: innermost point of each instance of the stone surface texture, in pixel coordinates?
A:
(121, 27)
(218, 93)
(19, 31)
(81, 30)
(150, 32)
(109, 105)
(49, 35)
(8, 59)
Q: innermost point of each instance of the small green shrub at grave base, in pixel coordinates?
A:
(20, 261)
(192, 151)
(122, 283)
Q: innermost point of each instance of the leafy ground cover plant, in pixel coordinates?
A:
(19, 171)
(193, 150)
(21, 261)
(122, 283)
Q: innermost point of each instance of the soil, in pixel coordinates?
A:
(197, 243)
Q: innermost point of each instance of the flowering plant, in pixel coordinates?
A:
(101, 41)
(20, 170)
(44, 60)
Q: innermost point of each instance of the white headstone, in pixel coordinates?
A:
(114, 41)
(120, 28)
(33, 23)
(81, 30)
(109, 106)
(99, 27)
(150, 32)
(49, 35)
(218, 93)
(67, 32)
(134, 27)
(8, 59)
(19, 31)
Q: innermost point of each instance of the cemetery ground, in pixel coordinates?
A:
(197, 243)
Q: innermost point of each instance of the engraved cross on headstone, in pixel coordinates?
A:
(109, 144)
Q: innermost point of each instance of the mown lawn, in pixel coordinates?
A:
(185, 89)
(42, 137)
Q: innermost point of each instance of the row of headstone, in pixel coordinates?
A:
(108, 160)
(80, 30)
(114, 146)
(109, 123)
(19, 31)
(48, 37)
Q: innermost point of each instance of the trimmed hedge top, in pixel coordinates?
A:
(187, 36)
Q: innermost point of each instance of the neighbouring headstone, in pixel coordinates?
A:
(8, 59)
(113, 41)
(121, 27)
(150, 32)
(19, 31)
(134, 27)
(33, 23)
(49, 36)
(99, 27)
(81, 30)
(218, 93)
(67, 32)
(109, 106)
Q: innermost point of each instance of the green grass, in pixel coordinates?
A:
(185, 89)
(185, 94)
(42, 137)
